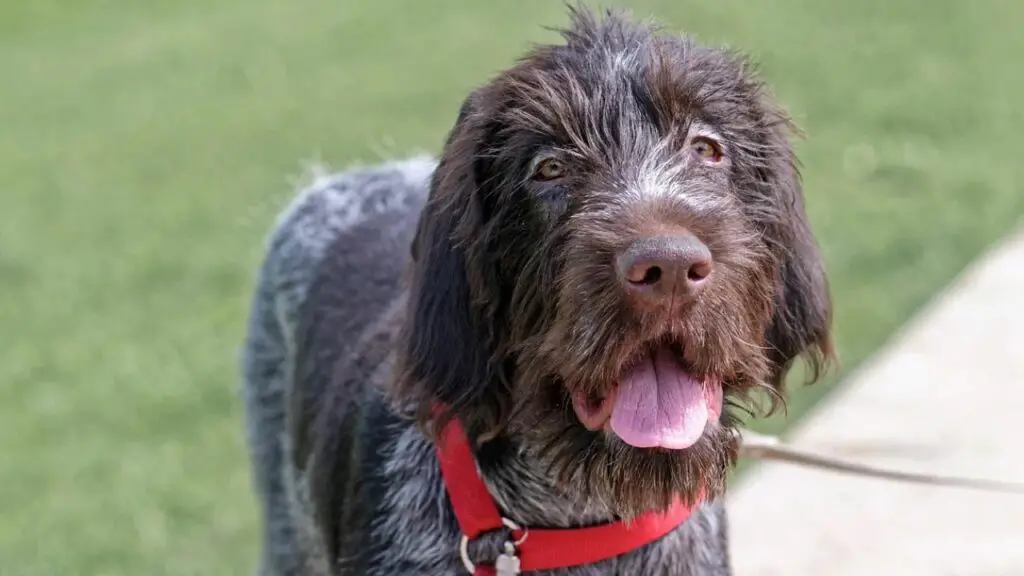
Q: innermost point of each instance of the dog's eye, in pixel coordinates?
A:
(549, 169)
(707, 149)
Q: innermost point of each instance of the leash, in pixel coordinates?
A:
(756, 446)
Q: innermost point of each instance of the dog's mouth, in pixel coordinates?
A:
(658, 402)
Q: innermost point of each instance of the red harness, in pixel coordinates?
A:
(537, 549)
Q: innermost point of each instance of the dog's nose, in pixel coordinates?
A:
(665, 269)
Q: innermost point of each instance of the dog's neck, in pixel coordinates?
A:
(526, 495)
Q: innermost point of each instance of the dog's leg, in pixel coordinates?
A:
(295, 246)
(265, 370)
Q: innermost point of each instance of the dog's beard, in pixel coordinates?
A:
(598, 467)
(592, 355)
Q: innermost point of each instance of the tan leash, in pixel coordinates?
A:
(770, 448)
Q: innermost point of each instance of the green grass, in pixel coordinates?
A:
(146, 146)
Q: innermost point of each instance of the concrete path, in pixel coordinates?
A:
(947, 396)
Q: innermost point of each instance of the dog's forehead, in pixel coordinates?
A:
(625, 89)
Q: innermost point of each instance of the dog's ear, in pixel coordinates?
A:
(801, 325)
(449, 347)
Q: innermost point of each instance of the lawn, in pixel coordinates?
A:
(145, 148)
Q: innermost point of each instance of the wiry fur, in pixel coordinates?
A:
(511, 304)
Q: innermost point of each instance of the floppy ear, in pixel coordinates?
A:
(801, 325)
(448, 349)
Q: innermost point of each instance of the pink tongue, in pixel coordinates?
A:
(660, 404)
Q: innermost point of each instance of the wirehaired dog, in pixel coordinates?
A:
(610, 257)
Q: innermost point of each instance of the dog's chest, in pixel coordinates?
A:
(415, 533)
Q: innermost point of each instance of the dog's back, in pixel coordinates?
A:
(330, 279)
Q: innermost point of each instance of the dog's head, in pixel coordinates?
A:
(614, 255)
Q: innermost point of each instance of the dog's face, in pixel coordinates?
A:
(615, 253)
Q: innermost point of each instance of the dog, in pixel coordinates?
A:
(608, 266)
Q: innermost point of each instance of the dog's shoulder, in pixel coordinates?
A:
(326, 211)
(334, 264)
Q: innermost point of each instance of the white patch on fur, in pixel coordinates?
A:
(660, 176)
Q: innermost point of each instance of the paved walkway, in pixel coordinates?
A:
(948, 397)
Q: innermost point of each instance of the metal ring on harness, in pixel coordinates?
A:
(464, 545)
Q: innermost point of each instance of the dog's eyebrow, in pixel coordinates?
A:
(698, 128)
(544, 153)
(558, 152)
(770, 448)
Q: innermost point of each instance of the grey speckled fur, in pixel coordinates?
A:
(398, 518)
